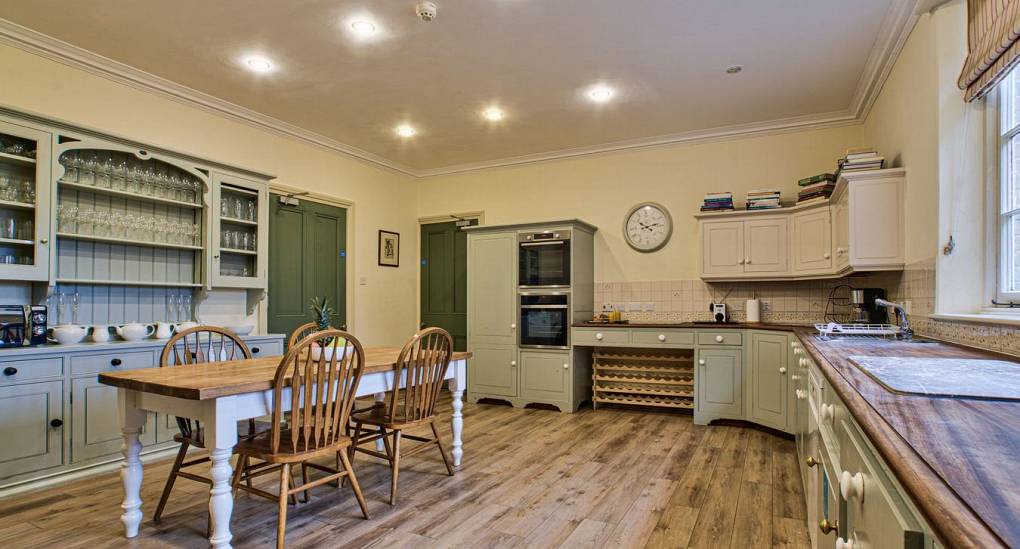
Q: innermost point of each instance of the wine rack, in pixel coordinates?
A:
(632, 377)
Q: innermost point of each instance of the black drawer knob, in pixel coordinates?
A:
(56, 422)
(10, 371)
(115, 362)
(255, 350)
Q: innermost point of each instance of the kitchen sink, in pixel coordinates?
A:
(945, 377)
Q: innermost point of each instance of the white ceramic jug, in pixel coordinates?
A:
(135, 331)
(100, 333)
(164, 330)
(68, 334)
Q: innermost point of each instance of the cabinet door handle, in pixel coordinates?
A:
(804, 362)
(598, 336)
(740, 262)
(513, 363)
(798, 351)
(10, 371)
(115, 362)
(782, 370)
(566, 366)
(847, 544)
(851, 486)
(513, 326)
(826, 255)
(828, 527)
(794, 344)
(662, 337)
(795, 377)
(255, 350)
(719, 339)
(701, 362)
(747, 261)
(801, 395)
(44, 241)
(810, 461)
(56, 422)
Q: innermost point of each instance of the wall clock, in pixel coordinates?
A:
(647, 227)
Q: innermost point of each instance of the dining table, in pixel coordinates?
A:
(219, 394)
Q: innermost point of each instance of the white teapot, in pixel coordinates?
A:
(164, 330)
(100, 333)
(135, 331)
(68, 334)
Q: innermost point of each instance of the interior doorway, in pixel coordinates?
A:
(307, 258)
(444, 278)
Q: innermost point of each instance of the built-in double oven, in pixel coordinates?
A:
(544, 283)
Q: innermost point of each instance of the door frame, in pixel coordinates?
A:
(428, 220)
(336, 202)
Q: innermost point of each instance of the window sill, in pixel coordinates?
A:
(1010, 319)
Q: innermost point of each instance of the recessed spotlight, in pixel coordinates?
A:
(734, 69)
(493, 114)
(600, 93)
(363, 28)
(259, 64)
(406, 130)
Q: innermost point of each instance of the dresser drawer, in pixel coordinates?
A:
(265, 347)
(17, 371)
(648, 337)
(598, 336)
(721, 338)
(106, 362)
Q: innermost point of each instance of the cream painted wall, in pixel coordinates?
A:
(600, 190)
(384, 309)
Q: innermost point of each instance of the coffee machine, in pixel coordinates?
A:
(863, 309)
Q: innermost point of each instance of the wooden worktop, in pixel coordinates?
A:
(219, 379)
(958, 458)
(692, 325)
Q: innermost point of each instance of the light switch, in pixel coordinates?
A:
(363, 281)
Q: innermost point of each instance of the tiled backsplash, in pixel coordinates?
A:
(677, 301)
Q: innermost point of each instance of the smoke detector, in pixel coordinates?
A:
(426, 10)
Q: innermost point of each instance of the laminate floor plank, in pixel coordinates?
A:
(531, 478)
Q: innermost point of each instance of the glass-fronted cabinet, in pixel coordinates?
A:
(239, 232)
(24, 202)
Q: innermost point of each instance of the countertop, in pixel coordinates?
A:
(113, 346)
(958, 458)
(699, 325)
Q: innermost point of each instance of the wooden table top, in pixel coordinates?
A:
(219, 379)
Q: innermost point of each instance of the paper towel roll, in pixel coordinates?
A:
(753, 309)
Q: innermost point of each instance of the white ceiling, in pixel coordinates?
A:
(802, 59)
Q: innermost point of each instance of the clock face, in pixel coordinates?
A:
(647, 227)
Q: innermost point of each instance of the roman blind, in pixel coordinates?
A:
(993, 41)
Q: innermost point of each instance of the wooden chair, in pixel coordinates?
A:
(321, 392)
(195, 346)
(425, 358)
(301, 332)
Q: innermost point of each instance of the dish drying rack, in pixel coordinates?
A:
(834, 329)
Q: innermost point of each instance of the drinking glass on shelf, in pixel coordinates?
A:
(251, 210)
(6, 187)
(105, 171)
(87, 173)
(184, 302)
(238, 208)
(61, 302)
(245, 242)
(131, 176)
(224, 207)
(26, 191)
(7, 227)
(120, 175)
(75, 300)
(26, 230)
(171, 307)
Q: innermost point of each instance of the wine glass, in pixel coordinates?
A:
(171, 307)
(75, 304)
(87, 174)
(251, 210)
(120, 175)
(106, 171)
(184, 302)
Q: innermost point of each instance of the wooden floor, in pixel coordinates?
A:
(531, 478)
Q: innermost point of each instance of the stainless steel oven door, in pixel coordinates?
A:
(544, 320)
(544, 260)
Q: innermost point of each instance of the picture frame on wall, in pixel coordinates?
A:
(389, 249)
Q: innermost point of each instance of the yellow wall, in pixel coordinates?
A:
(600, 190)
(384, 308)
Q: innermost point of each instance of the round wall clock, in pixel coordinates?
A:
(647, 227)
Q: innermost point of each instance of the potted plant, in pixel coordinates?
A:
(322, 315)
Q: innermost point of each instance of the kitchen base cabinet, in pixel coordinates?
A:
(769, 392)
(719, 381)
(545, 378)
(95, 429)
(492, 372)
(32, 427)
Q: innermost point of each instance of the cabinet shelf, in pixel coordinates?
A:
(236, 221)
(8, 158)
(649, 380)
(16, 205)
(129, 283)
(654, 391)
(662, 402)
(237, 251)
(131, 195)
(643, 357)
(126, 242)
(16, 241)
(659, 369)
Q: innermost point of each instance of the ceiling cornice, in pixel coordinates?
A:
(896, 27)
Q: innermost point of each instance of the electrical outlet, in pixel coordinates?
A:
(634, 306)
(676, 293)
(649, 306)
(766, 306)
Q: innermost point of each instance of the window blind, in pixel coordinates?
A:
(993, 42)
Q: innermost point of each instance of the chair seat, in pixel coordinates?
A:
(379, 415)
(261, 446)
(198, 440)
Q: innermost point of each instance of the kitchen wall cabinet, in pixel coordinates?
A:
(239, 238)
(719, 384)
(24, 202)
(859, 229)
(812, 241)
(769, 369)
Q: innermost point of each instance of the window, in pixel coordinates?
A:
(1007, 208)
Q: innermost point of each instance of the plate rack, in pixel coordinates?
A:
(642, 377)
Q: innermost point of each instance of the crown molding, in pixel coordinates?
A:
(899, 21)
(68, 54)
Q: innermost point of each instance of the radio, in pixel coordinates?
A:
(719, 313)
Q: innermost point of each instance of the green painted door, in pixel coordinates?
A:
(444, 279)
(307, 258)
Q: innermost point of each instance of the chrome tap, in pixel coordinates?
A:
(905, 332)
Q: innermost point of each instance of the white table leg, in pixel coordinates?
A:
(220, 437)
(380, 444)
(131, 420)
(457, 385)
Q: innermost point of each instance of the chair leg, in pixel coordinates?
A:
(354, 484)
(290, 475)
(442, 451)
(281, 524)
(170, 481)
(386, 442)
(242, 464)
(247, 463)
(396, 467)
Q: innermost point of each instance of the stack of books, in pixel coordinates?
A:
(717, 202)
(763, 199)
(860, 159)
(818, 186)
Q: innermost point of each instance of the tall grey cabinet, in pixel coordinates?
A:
(501, 368)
